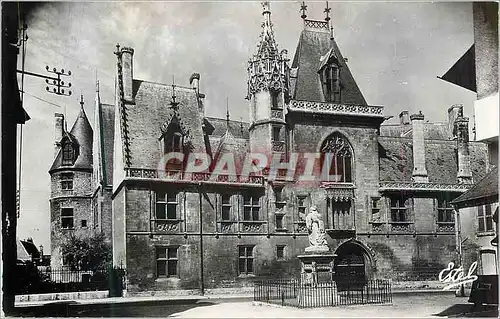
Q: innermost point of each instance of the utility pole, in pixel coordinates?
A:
(202, 280)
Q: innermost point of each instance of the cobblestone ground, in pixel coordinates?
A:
(416, 306)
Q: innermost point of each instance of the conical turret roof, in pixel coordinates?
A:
(83, 133)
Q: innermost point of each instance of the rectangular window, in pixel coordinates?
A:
(375, 205)
(399, 209)
(280, 252)
(280, 200)
(95, 217)
(166, 262)
(84, 223)
(245, 262)
(445, 210)
(276, 133)
(166, 205)
(67, 218)
(274, 100)
(251, 208)
(67, 154)
(485, 218)
(279, 221)
(66, 181)
(226, 207)
(302, 207)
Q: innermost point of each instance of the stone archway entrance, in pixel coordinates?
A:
(350, 263)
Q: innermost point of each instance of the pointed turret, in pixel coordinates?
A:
(76, 145)
(268, 75)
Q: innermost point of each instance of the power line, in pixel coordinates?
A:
(88, 65)
(39, 98)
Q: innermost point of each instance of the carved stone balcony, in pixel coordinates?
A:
(166, 225)
(418, 186)
(336, 109)
(227, 226)
(180, 176)
(378, 226)
(402, 227)
(277, 114)
(278, 146)
(300, 226)
(247, 226)
(445, 227)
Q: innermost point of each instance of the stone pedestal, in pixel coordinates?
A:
(316, 266)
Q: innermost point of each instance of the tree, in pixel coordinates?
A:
(87, 253)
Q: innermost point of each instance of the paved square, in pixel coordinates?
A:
(416, 306)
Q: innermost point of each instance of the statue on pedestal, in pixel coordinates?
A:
(316, 229)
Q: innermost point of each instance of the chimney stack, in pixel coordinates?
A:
(127, 55)
(454, 112)
(419, 171)
(194, 81)
(404, 118)
(461, 130)
(59, 128)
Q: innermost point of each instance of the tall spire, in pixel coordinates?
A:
(267, 69)
(267, 45)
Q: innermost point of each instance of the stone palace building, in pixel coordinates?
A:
(385, 202)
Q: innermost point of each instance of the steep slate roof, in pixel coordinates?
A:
(484, 191)
(151, 110)
(396, 160)
(81, 133)
(313, 44)
(234, 128)
(108, 126)
(432, 131)
(22, 254)
(31, 249)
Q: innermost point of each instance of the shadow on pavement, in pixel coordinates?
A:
(142, 309)
(469, 310)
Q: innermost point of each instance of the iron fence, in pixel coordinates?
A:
(50, 280)
(325, 294)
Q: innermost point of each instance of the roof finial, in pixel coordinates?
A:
(266, 9)
(97, 86)
(173, 103)
(81, 100)
(227, 111)
(327, 12)
(303, 8)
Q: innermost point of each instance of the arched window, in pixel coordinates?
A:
(336, 159)
(68, 154)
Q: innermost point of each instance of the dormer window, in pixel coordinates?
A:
(174, 143)
(68, 154)
(331, 83)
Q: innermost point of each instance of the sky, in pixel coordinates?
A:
(395, 52)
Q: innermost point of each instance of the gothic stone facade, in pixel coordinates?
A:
(386, 210)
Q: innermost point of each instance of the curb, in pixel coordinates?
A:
(184, 299)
